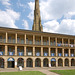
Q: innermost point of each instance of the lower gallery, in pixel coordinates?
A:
(35, 49)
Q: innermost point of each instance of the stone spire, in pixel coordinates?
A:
(37, 20)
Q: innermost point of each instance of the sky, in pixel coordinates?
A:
(57, 16)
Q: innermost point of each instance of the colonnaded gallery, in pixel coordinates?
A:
(35, 48)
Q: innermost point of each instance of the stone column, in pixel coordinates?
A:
(63, 63)
(24, 50)
(69, 53)
(33, 51)
(15, 50)
(6, 50)
(56, 52)
(49, 62)
(63, 52)
(5, 63)
(33, 63)
(33, 39)
(16, 37)
(56, 41)
(6, 37)
(41, 63)
(15, 63)
(69, 62)
(25, 38)
(49, 40)
(41, 51)
(49, 52)
(24, 63)
(41, 40)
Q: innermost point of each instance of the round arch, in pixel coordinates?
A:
(11, 62)
(45, 62)
(53, 62)
(1, 63)
(60, 62)
(66, 62)
(72, 62)
(29, 62)
(20, 62)
(38, 62)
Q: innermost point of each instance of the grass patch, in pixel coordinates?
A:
(22, 73)
(64, 72)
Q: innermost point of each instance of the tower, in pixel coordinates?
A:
(37, 19)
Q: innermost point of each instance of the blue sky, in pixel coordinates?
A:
(57, 16)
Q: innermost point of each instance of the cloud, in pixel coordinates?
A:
(8, 18)
(52, 9)
(5, 2)
(19, 4)
(25, 24)
(51, 26)
(31, 6)
(69, 15)
(67, 26)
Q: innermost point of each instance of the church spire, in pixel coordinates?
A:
(37, 20)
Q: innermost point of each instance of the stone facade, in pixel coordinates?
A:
(35, 49)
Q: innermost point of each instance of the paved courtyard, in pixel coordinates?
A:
(43, 70)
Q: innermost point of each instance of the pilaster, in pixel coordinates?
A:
(25, 38)
(24, 50)
(41, 51)
(15, 50)
(63, 51)
(49, 52)
(6, 50)
(41, 40)
(33, 39)
(16, 37)
(6, 37)
(33, 51)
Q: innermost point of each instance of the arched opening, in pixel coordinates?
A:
(11, 63)
(37, 62)
(1, 63)
(20, 62)
(29, 62)
(53, 62)
(72, 62)
(66, 62)
(45, 62)
(60, 62)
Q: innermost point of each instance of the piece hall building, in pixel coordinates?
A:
(35, 48)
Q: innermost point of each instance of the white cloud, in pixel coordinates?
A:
(69, 15)
(51, 26)
(67, 26)
(19, 4)
(52, 9)
(31, 6)
(25, 24)
(5, 2)
(8, 18)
